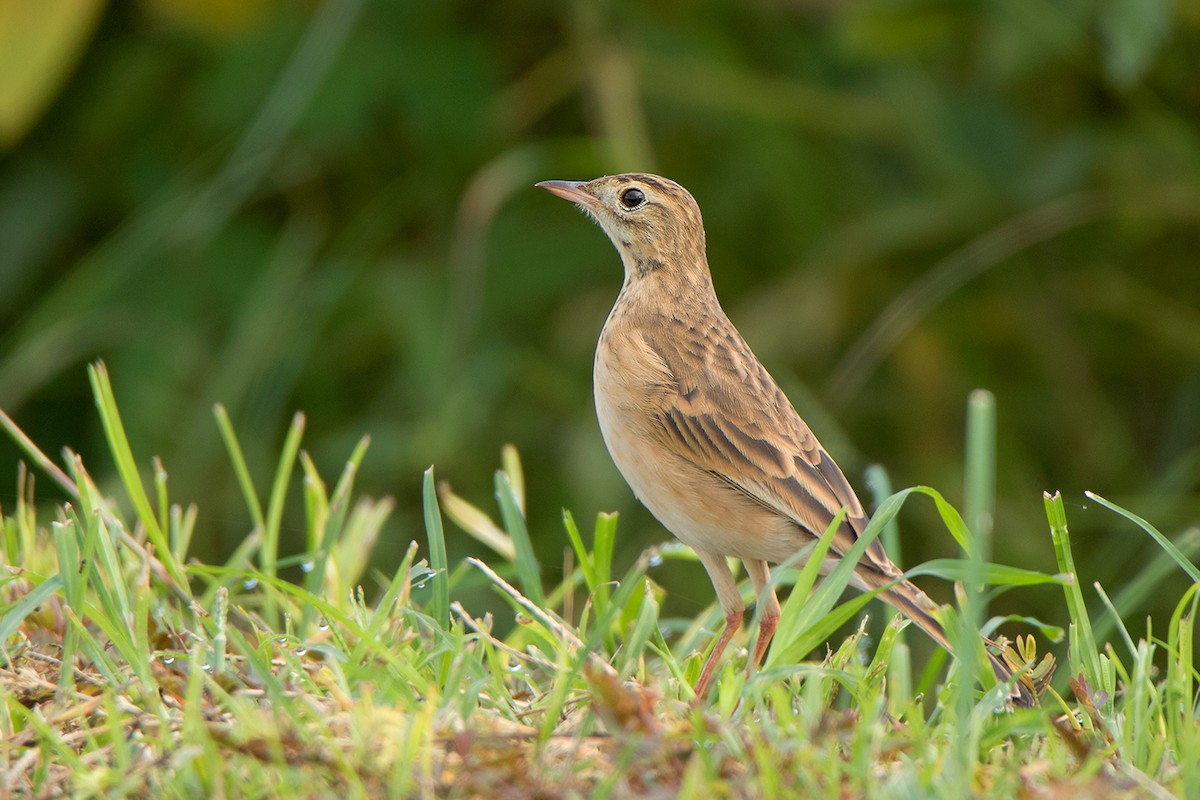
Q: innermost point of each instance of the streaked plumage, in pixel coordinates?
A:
(699, 429)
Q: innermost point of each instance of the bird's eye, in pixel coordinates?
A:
(632, 198)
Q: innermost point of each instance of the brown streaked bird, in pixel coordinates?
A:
(702, 433)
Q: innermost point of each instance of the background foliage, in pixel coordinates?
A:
(329, 207)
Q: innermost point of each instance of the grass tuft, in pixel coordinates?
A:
(130, 669)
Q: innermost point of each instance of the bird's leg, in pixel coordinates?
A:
(768, 610)
(731, 601)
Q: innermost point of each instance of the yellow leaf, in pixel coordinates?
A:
(40, 43)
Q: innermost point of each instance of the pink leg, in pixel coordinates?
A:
(733, 621)
(731, 601)
(768, 610)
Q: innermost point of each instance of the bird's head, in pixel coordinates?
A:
(654, 222)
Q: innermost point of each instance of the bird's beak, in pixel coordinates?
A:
(575, 191)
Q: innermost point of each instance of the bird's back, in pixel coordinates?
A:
(683, 400)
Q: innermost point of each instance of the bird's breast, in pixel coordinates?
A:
(631, 384)
(629, 381)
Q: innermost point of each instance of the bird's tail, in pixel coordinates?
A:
(909, 600)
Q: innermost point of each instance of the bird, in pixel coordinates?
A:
(703, 434)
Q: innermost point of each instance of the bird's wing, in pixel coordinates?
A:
(729, 417)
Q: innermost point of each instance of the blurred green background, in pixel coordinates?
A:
(329, 207)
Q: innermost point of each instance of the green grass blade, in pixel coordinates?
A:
(1120, 623)
(122, 454)
(339, 501)
(319, 531)
(229, 436)
(475, 522)
(1083, 653)
(528, 568)
(328, 518)
(66, 545)
(316, 505)
(879, 483)
(957, 569)
(1145, 583)
(979, 478)
(510, 462)
(565, 682)
(1166, 544)
(182, 522)
(29, 603)
(979, 502)
(79, 570)
(352, 549)
(603, 545)
(604, 538)
(384, 609)
(581, 552)
(122, 638)
(952, 520)
(220, 638)
(823, 626)
(269, 554)
(34, 454)
(164, 505)
(438, 560)
(1180, 700)
(794, 618)
(643, 628)
(106, 553)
